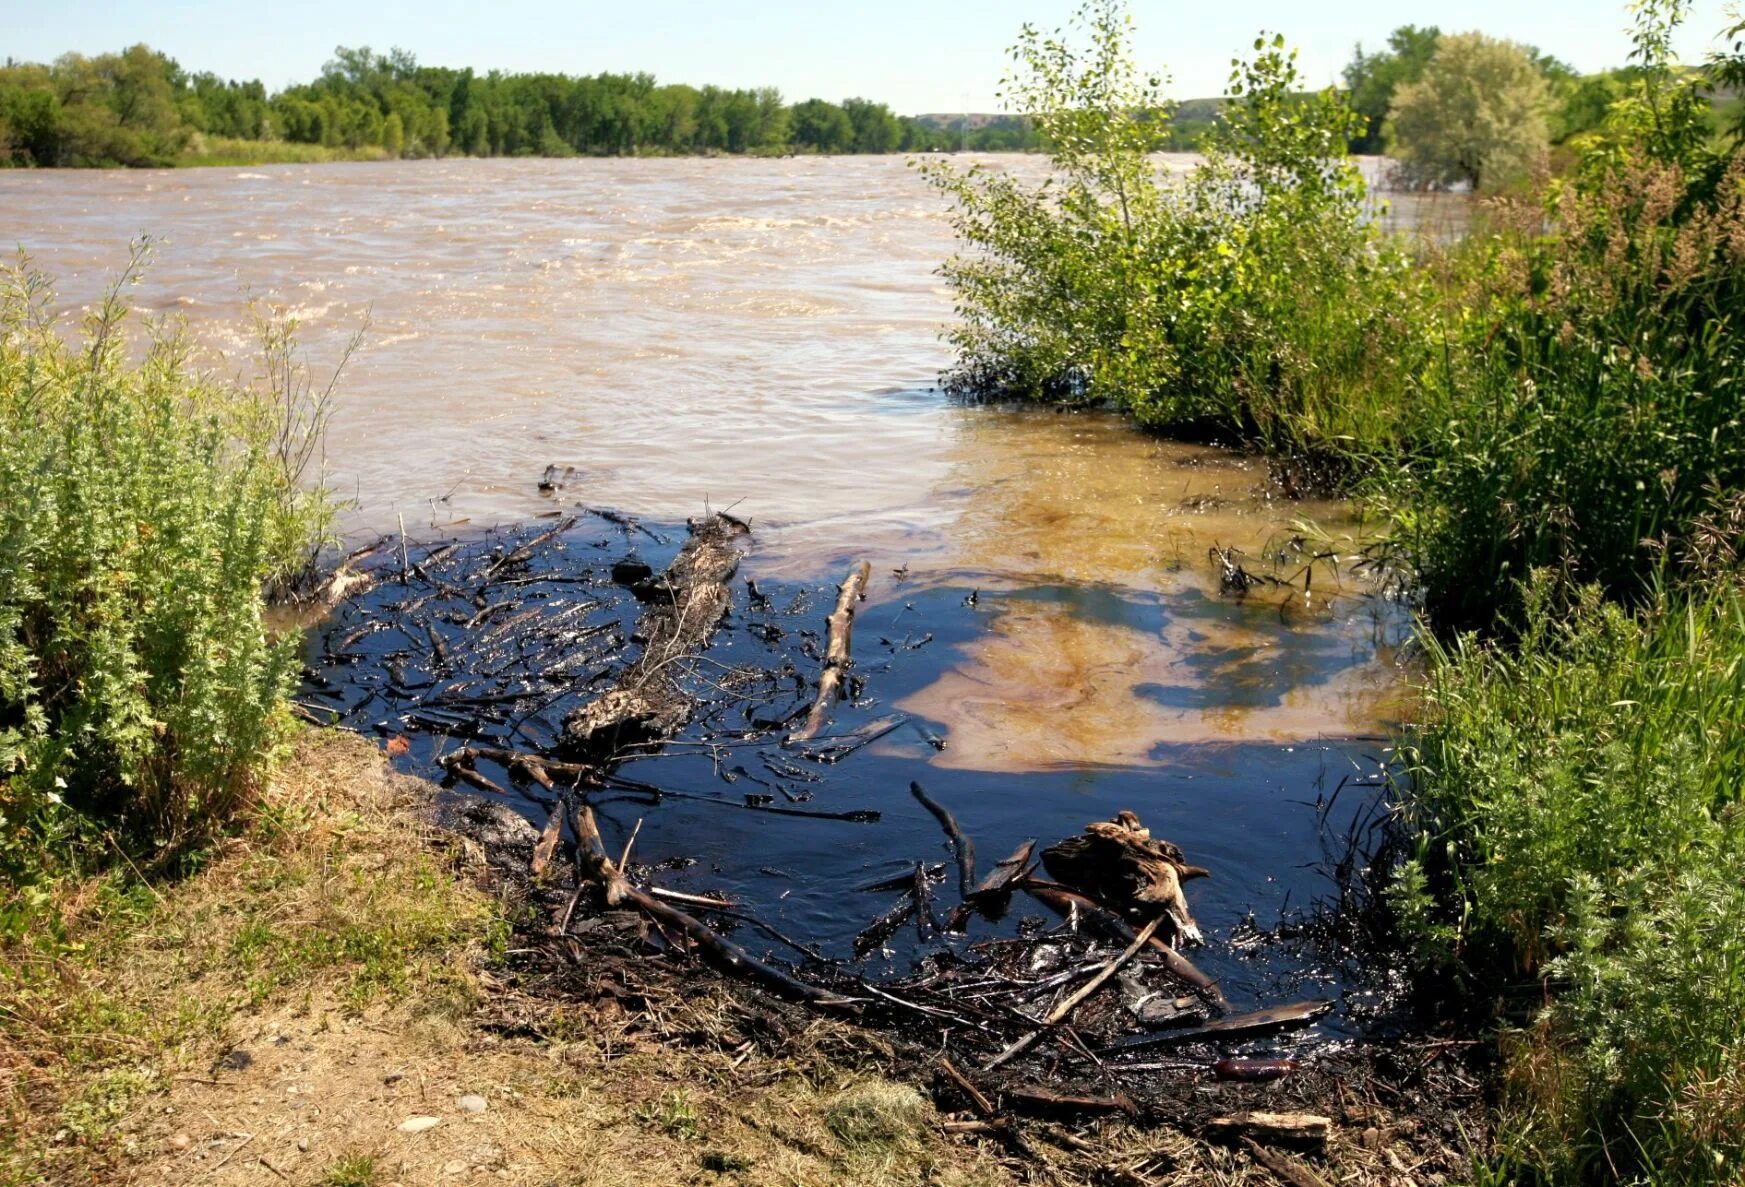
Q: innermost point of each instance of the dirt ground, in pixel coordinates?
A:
(349, 996)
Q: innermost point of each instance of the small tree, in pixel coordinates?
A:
(1477, 115)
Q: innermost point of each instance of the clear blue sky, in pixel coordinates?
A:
(917, 55)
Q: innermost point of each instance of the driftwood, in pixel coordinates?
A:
(836, 652)
(1059, 1013)
(1238, 1026)
(993, 890)
(594, 865)
(1067, 901)
(962, 846)
(1120, 864)
(687, 602)
(1306, 1131)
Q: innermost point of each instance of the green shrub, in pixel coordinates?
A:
(1250, 298)
(1591, 394)
(1578, 797)
(144, 509)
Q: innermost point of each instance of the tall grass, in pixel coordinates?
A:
(145, 508)
(1588, 396)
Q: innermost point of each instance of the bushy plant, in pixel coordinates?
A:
(1579, 800)
(145, 507)
(1587, 398)
(1249, 297)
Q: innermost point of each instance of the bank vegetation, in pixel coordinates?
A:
(1549, 410)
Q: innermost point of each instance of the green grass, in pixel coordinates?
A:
(1582, 846)
(352, 1170)
(224, 150)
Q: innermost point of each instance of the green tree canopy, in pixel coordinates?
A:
(1477, 115)
(1372, 79)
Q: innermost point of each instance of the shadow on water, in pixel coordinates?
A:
(438, 656)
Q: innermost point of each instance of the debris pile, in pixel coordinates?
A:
(535, 680)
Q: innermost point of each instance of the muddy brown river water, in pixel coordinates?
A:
(764, 335)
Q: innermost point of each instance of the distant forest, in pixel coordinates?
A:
(140, 107)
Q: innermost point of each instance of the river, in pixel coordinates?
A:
(764, 335)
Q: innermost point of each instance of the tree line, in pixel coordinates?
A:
(140, 107)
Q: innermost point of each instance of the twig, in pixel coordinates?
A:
(1066, 1007)
(960, 844)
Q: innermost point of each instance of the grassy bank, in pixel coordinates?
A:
(1550, 412)
(225, 150)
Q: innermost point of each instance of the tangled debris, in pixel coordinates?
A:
(554, 676)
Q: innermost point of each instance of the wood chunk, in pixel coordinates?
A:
(836, 652)
(1120, 864)
(990, 894)
(1304, 1131)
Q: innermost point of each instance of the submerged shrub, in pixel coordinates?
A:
(1249, 297)
(144, 509)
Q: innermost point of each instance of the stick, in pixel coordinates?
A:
(527, 550)
(695, 900)
(592, 861)
(1259, 1022)
(1294, 1171)
(1064, 900)
(853, 815)
(960, 844)
(836, 652)
(624, 858)
(1066, 1007)
(548, 839)
(982, 1104)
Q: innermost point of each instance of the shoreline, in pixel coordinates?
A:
(591, 1061)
